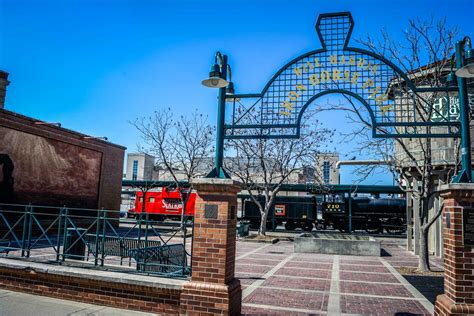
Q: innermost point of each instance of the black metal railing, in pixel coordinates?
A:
(96, 239)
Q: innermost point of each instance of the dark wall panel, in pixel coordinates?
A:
(51, 166)
(49, 172)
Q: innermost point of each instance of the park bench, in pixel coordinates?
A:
(5, 246)
(168, 259)
(116, 246)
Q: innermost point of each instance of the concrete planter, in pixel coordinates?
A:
(337, 244)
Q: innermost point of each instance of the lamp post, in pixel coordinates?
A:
(218, 79)
(464, 69)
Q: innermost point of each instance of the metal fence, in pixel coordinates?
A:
(96, 239)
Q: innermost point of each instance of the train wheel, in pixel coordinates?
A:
(290, 225)
(320, 225)
(373, 226)
(340, 225)
(307, 226)
(395, 226)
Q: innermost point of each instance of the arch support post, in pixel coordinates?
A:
(465, 175)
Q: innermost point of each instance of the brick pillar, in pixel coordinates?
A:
(458, 297)
(3, 87)
(213, 289)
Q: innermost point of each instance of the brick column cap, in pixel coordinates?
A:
(462, 190)
(216, 185)
(4, 75)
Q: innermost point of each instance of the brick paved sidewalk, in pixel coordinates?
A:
(22, 304)
(277, 281)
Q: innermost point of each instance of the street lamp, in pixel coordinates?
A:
(215, 80)
(218, 79)
(451, 80)
(464, 69)
(467, 70)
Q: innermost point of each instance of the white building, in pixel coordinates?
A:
(326, 170)
(139, 166)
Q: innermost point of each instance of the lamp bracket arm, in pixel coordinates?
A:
(467, 41)
(229, 71)
(219, 58)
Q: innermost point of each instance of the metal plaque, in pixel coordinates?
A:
(210, 211)
(468, 226)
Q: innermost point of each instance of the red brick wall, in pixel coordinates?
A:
(213, 290)
(214, 241)
(118, 295)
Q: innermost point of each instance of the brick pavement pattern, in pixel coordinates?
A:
(277, 281)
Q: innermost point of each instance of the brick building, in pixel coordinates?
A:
(45, 164)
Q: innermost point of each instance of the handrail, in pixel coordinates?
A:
(93, 238)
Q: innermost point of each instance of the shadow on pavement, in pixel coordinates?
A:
(429, 286)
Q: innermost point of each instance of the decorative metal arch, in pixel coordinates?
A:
(389, 95)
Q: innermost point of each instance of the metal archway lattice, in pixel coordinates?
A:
(395, 105)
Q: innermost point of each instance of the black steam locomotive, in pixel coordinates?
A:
(368, 213)
(372, 214)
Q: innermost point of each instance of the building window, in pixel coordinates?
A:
(135, 170)
(326, 172)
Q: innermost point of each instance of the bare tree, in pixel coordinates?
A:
(263, 164)
(425, 55)
(181, 146)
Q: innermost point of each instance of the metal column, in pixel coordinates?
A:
(219, 171)
(465, 174)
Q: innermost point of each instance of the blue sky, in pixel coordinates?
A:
(94, 65)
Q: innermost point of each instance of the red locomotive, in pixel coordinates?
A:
(164, 204)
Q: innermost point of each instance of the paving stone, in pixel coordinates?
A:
(270, 262)
(371, 277)
(288, 299)
(380, 306)
(309, 265)
(268, 256)
(313, 257)
(404, 264)
(363, 262)
(252, 269)
(363, 268)
(374, 289)
(247, 310)
(296, 283)
(324, 274)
